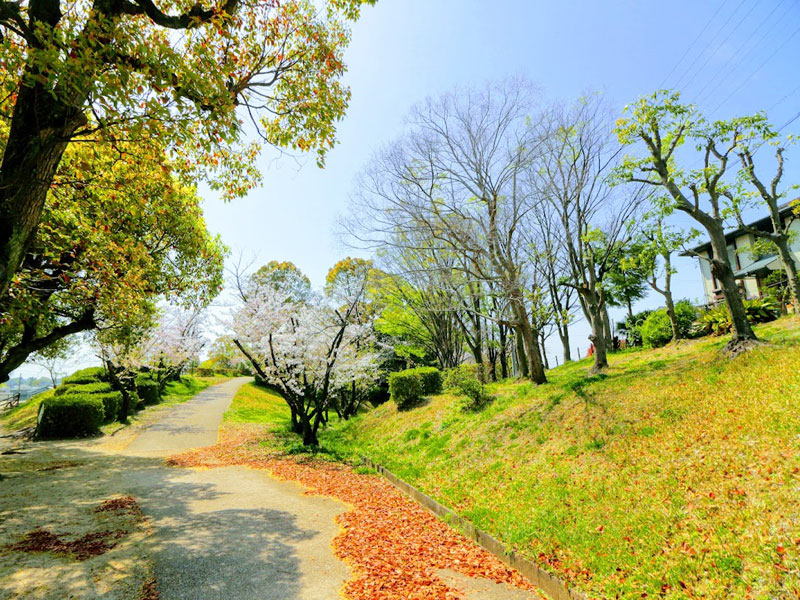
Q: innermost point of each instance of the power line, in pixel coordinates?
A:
(761, 66)
(710, 43)
(727, 66)
(689, 48)
(722, 43)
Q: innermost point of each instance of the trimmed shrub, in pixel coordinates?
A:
(405, 388)
(112, 404)
(431, 379)
(70, 416)
(98, 387)
(64, 389)
(147, 389)
(90, 375)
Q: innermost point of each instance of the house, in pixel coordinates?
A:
(749, 268)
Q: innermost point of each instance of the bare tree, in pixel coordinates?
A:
(572, 176)
(458, 177)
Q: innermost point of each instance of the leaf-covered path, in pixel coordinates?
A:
(247, 530)
(396, 548)
(232, 533)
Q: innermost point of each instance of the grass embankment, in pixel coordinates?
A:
(24, 415)
(676, 475)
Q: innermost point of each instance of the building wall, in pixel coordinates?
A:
(738, 250)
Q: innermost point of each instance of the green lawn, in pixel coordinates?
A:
(258, 404)
(675, 475)
(176, 392)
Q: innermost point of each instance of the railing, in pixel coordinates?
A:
(9, 401)
(12, 399)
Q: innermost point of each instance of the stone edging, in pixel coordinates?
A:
(551, 585)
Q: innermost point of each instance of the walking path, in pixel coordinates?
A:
(230, 533)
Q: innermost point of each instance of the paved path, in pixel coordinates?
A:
(229, 533)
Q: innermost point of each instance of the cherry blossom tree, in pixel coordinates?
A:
(306, 348)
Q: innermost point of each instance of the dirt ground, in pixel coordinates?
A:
(60, 537)
(57, 537)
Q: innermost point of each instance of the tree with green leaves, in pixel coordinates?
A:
(756, 132)
(626, 281)
(184, 73)
(85, 271)
(653, 259)
(711, 193)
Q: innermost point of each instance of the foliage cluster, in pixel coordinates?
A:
(717, 319)
(656, 329)
(405, 388)
(431, 378)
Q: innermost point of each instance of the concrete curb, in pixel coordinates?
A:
(551, 585)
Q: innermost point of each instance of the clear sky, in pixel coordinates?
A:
(729, 57)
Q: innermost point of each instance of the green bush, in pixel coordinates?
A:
(405, 388)
(475, 394)
(431, 379)
(452, 377)
(717, 320)
(147, 389)
(632, 328)
(64, 389)
(70, 416)
(656, 330)
(90, 375)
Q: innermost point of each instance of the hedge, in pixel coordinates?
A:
(112, 403)
(431, 379)
(90, 375)
(405, 388)
(98, 387)
(70, 416)
(147, 389)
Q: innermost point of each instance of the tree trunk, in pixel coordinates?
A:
(743, 334)
(126, 407)
(521, 358)
(40, 130)
(606, 324)
(563, 333)
(503, 352)
(544, 351)
(594, 310)
(673, 319)
(790, 268)
(531, 344)
(297, 426)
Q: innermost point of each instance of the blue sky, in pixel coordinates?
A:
(736, 57)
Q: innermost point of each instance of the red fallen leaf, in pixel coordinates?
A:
(780, 549)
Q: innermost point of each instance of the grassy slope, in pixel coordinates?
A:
(24, 415)
(257, 404)
(675, 476)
